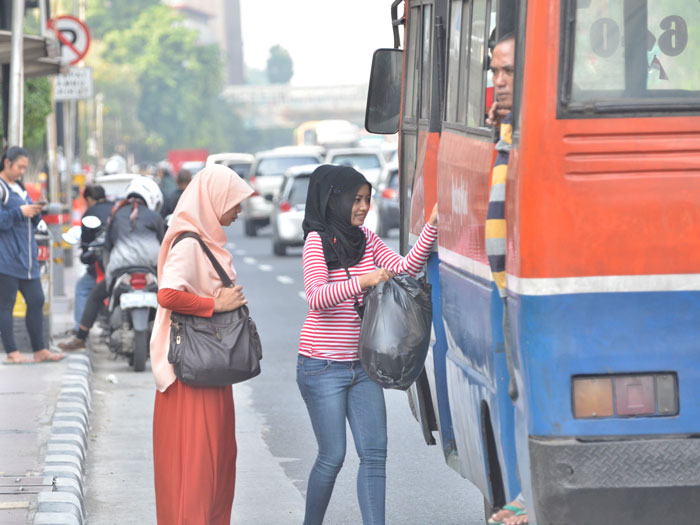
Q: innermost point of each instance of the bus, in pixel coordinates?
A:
(598, 420)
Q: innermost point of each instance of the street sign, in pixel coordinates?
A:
(74, 85)
(73, 36)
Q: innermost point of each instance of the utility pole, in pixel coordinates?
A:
(16, 121)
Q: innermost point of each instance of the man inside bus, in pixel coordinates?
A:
(503, 68)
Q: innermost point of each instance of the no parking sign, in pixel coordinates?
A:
(73, 36)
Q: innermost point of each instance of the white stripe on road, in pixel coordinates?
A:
(249, 260)
(284, 279)
(239, 252)
(265, 268)
(230, 245)
(302, 295)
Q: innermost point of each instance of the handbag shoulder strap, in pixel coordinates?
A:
(222, 274)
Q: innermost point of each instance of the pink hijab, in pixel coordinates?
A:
(213, 191)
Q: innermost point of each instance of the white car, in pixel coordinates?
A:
(368, 161)
(266, 175)
(238, 162)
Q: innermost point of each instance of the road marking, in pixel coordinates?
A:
(231, 245)
(9, 505)
(239, 252)
(284, 279)
(249, 260)
(265, 268)
(302, 295)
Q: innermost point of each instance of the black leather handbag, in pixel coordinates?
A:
(214, 351)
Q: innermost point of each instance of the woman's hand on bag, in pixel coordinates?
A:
(30, 210)
(230, 299)
(434, 216)
(374, 278)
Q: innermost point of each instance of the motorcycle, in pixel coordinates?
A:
(130, 307)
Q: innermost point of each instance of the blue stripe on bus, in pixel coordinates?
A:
(565, 335)
(472, 316)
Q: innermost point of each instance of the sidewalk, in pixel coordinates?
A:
(43, 426)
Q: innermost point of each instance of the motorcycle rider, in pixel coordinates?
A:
(97, 206)
(133, 236)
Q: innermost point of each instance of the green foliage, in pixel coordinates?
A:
(104, 16)
(162, 88)
(280, 67)
(37, 106)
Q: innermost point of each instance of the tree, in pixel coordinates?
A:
(37, 106)
(104, 16)
(179, 81)
(280, 67)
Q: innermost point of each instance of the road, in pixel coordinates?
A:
(275, 440)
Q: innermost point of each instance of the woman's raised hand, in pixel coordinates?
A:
(230, 299)
(434, 216)
(374, 278)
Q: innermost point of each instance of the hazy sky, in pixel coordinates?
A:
(331, 41)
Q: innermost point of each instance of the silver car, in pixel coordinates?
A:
(368, 161)
(288, 210)
(266, 175)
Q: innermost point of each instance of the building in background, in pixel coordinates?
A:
(218, 22)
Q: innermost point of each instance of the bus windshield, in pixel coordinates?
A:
(631, 53)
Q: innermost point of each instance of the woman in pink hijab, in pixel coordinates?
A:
(194, 443)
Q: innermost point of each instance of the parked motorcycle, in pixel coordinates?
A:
(131, 304)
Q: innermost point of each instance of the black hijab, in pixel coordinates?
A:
(332, 191)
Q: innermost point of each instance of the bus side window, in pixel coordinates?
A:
(426, 50)
(477, 54)
(412, 67)
(460, 12)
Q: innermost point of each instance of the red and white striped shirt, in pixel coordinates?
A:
(332, 327)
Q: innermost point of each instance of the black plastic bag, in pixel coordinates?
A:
(395, 331)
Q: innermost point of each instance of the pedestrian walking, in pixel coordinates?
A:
(19, 268)
(194, 443)
(341, 259)
(170, 200)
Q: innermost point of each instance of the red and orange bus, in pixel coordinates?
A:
(603, 249)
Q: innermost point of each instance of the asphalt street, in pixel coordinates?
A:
(276, 446)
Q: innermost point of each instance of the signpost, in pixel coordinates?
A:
(73, 36)
(74, 85)
(74, 39)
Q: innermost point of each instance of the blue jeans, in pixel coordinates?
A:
(83, 287)
(333, 392)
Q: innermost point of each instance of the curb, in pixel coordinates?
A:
(67, 448)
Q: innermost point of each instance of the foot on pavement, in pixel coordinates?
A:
(46, 355)
(520, 518)
(17, 358)
(508, 511)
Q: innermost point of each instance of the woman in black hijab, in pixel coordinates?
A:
(342, 258)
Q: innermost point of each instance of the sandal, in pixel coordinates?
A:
(510, 507)
(512, 520)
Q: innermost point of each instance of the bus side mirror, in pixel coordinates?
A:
(384, 93)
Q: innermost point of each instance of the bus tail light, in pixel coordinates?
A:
(285, 206)
(625, 395)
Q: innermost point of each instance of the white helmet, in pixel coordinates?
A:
(148, 190)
